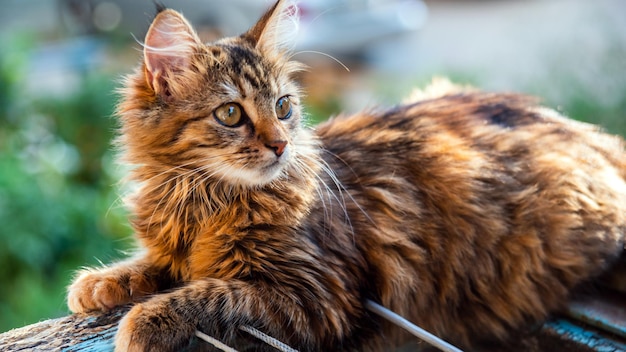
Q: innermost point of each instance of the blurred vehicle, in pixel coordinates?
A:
(335, 27)
(351, 27)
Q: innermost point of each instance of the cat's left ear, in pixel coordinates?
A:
(275, 32)
(168, 49)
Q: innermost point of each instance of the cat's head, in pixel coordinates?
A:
(228, 109)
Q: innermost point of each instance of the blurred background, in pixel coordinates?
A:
(60, 62)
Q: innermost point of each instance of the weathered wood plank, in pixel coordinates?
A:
(95, 333)
(72, 333)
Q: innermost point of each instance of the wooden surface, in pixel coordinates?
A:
(72, 333)
(95, 333)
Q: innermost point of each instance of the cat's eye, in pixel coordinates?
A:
(283, 108)
(229, 114)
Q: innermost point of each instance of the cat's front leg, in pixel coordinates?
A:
(218, 308)
(104, 288)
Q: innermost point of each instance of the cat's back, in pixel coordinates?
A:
(486, 122)
(485, 202)
(474, 131)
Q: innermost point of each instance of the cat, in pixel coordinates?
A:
(472, 214)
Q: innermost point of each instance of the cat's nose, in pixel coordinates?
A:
(277, 146)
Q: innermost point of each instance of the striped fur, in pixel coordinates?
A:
(472, 214)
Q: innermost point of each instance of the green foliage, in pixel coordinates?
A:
(58, 207)
(319, 111)
(610, 117)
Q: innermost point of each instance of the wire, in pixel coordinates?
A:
(370, 305)
(279, 345)
(215, 342)
(410, 327)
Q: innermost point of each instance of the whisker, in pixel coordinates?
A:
(341, 189)
(338, 198)
(323, 54)
(335, 179)
(327, 207)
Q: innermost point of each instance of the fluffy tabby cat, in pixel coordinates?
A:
(471, 214)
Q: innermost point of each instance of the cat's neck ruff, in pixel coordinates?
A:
(189, 203)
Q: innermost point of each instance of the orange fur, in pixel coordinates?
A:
(472, 214)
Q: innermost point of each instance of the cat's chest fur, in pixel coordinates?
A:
(223, 231)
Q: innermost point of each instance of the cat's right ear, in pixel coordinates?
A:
(168, 49)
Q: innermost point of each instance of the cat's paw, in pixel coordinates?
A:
(97, 291)
(153, 326)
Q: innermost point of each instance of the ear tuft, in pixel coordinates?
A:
(159, 7)
(169, 46)
(276, 31)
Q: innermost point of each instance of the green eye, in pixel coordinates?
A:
(229, 114)
(283, 108)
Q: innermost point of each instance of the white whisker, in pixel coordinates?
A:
(323, 54)
(341, 188)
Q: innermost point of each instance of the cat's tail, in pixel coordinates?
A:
(438, 87)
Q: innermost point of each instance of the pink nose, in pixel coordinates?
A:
(277, 146)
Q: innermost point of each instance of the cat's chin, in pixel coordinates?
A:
(253, 177)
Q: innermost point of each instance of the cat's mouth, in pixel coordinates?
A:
(255, 175)
(273, 167)
(275, 162)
